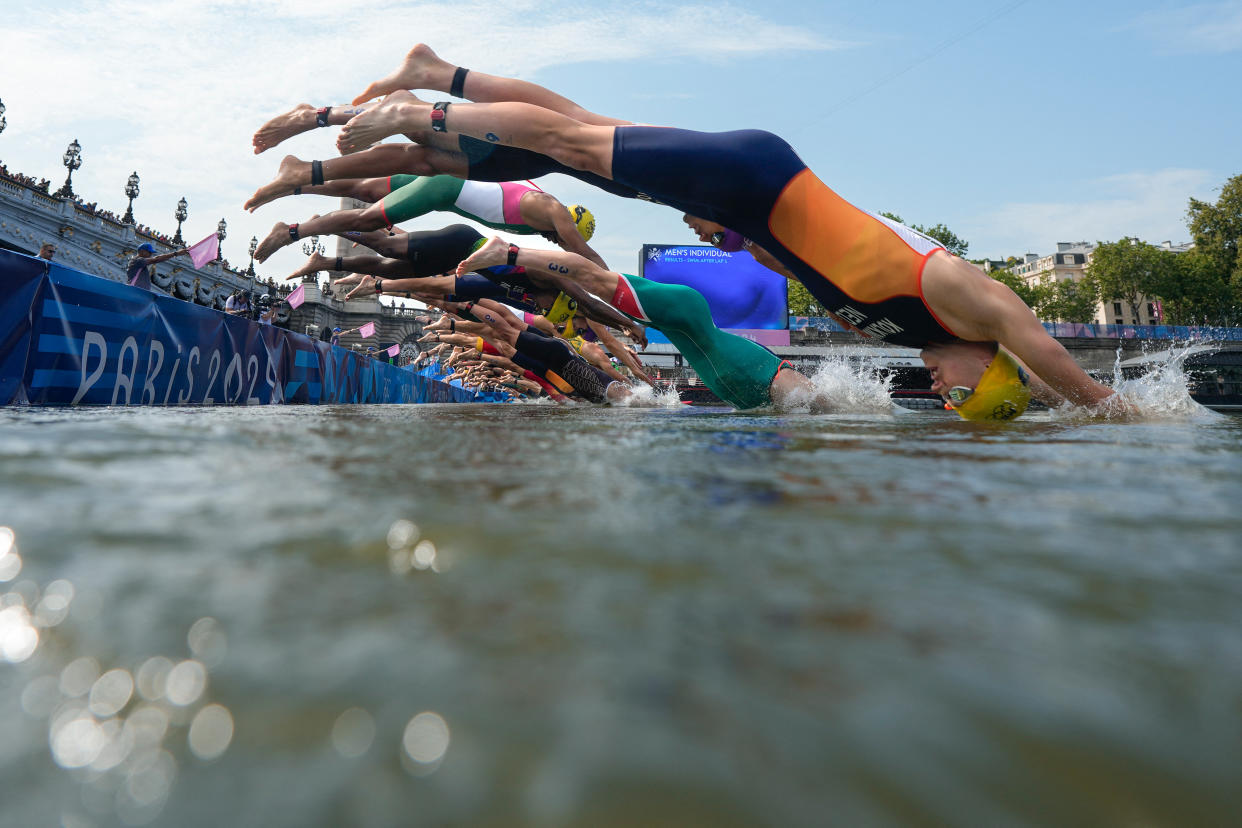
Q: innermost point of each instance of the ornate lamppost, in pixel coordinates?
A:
(254, 246)
(310, 247)
(72, 159)
(3, 122)
(183, 210)
(131, 190)
(222, 230)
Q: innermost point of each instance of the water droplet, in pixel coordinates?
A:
(207, 641)
(18, 637)
(211, 732)
(426, 738)
(186, 682)
(353, 733)
(402, 533)
(79, 676)
(77, 741)
(111, 692)
(152, 676)
(424, 554)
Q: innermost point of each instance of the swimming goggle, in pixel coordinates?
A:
(959, 394)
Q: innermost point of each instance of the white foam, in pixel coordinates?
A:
(1161, 393)
(644, 396)
(847, 388)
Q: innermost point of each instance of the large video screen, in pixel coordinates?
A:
(742, 293)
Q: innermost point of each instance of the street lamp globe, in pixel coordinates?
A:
(72, 159)
(222, 230)
(131, 190)
(183, 211)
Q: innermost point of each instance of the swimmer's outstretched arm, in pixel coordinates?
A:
(567, 272)
(619, 351)
(979, 308)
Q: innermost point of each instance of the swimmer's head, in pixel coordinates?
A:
(715, 233)
(583, 220)
(147, 247)
(978, 380)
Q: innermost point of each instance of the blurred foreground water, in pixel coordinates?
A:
(525, 615)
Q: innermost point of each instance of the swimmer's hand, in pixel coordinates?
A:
(638, 335)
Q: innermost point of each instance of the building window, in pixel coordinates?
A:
(1117, 310)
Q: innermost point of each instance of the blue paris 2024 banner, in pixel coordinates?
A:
(67, 338)
(745, 297)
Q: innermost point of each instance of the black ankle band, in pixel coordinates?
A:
(316, 172)
(459, 82)
(513, 254)
(439, 111)
(293, 232)
(321, 116)
(339, 264)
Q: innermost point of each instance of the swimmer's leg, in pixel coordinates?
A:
(419, 196)
(302, 118)
(573, 143)
(737, 370)
(422, 68)
(336, 222)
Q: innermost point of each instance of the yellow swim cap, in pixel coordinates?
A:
(1002, 393)
(583, 220)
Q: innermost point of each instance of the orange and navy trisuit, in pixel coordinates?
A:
(861, 267)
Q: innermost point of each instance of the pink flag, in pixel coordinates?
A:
(205, 251)
(367, 330)
(298, 296)
(394, 350)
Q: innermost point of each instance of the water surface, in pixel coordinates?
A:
(528, 615)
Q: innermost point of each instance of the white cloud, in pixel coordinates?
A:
(1212, 28)
(1149, 205)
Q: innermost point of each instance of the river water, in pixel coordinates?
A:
(530, 615)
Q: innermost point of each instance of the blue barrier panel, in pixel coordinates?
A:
(67, 338)
(1080, 330)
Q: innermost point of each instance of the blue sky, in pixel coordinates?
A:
(1017, 124)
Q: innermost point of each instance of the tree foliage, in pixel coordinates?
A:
(1069, 301)
(1129, 270)
(951, 241)
(801, 302)
(1217, 228)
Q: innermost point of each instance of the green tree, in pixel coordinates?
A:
(1217, 228)
(801, 302)
(951, 241)
(1129, 270)
(1032, 294)
(1192, 292)
(1069, 301)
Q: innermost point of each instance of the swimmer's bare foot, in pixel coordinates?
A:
(397, 113)
(294, 122)
(293, 172)
(314, 264)
(421, 69)
(278, 238)
(495, 252)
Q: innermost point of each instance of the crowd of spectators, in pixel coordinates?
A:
(39, 184)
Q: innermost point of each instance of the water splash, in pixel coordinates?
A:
(847, 388)
(644, 396)
(1160, 393)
